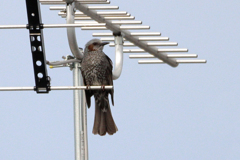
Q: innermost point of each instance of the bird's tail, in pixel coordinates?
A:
(103, 122)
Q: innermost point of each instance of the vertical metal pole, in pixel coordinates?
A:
(80, 123)
(80, 112)
(85, 124)
(76, 100)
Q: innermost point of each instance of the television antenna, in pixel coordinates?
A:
(89, 18)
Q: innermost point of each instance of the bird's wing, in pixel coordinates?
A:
(109, 76)
(88, 93)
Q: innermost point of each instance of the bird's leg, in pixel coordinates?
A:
(103, 87)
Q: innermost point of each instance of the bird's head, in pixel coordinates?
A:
(95, 45)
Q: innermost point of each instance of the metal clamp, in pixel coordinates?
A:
(118, 55)
(67, 62)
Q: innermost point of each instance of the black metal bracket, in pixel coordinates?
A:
(35, 26)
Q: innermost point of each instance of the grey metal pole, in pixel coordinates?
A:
(85, 124)
(80, 129)
(76, 100)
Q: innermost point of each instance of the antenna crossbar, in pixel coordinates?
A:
(168, 55)
(178, 60)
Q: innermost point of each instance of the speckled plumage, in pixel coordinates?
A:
(96, 70)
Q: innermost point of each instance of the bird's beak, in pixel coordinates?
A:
(104, 43)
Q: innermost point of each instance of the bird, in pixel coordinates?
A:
(96, 68)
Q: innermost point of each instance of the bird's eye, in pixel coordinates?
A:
(95, 43)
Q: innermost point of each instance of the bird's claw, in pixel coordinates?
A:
(103, 87)
(87, 87)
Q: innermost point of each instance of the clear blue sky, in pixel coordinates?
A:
(191, 112)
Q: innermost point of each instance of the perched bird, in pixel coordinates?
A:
(96, 69)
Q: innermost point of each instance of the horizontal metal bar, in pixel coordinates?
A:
(100, 13)
(132, 34)
(159, 50)
(52, 26)
(146, 34)
(178, 61)
(13, 26)
(45, 2)
(89, 7)
(114, 22)
(63, 62)
(72, 25)
(58, 66)
(82, 18)
(35, 34)
(149, 44)
(168, 55)
(54, 88)
(107, 18)
(105, 15)
(93, 28)
(140, 39)
(126, 22)
(121, 27)
(192, 61)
